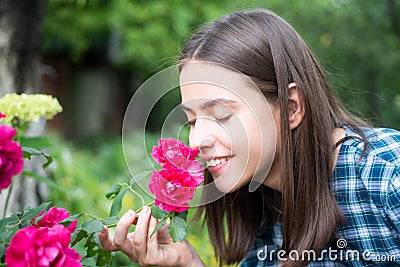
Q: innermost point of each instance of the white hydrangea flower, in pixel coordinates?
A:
(29, 107)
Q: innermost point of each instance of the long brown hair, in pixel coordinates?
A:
(267, 49)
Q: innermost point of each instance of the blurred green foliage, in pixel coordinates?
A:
(130, 34)
(357, 41)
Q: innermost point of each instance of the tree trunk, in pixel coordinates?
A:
(20, 39)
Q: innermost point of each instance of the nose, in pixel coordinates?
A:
(201, 137)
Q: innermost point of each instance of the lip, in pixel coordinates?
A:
(219, 169)
(213, 157)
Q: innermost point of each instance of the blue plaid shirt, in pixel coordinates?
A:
(368, 192)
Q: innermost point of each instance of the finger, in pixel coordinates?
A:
(141, 233)
(106, 243)
(122, 229)
(152, 244)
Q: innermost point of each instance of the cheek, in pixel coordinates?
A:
(244, 137)
(253, 144)
(257, 147)
(266, 152)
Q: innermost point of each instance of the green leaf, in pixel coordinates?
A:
(38, 142)
(78, 235)
(42, 179)
(33, 212)
(96, 239)
(89, 261)
(93, 226)
(111, 220)
(12, 220)
(104, 258)
(177, 229)
(28, 152)
(2, 250)
(182, 214)
(91, 247)
(113, 191)
(158, 213)
(159, 225)
(5, 237)
(117, 204)
(70, 219)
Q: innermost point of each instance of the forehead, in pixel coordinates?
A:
(203, 80)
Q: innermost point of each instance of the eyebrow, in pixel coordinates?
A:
(210, 103)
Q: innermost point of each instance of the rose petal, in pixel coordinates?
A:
(42, 247)
(173, 189)
(11, 161)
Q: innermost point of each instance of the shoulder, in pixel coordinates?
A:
(370, 165)
(384, 143)
(380, 146)
(366, 183)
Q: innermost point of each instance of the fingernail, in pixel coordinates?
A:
(104, 229)
(129, 213)
(145, 210)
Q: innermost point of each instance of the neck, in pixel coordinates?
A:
(273, 179)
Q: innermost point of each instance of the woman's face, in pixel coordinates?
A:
(230, 122)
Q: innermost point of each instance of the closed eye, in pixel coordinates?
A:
(224, 119)
(191, 123)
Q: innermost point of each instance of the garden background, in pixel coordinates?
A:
(93, 54)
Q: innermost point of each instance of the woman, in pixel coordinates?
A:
(330, 183)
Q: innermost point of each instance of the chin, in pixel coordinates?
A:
(226, 185)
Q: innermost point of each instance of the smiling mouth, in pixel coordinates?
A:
(216, 162)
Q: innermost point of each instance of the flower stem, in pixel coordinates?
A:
(150, 204)
(7, 200)
(111, 225)
(19, 220)
(137, 211)
(136, 193)
(91, 216)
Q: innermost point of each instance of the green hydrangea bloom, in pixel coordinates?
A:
(29, 107)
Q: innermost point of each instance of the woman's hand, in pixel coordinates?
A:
(158, 250)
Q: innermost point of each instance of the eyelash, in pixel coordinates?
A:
(224, 119)
(190, 123)
(221, 120)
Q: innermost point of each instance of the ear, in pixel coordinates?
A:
(296, 106)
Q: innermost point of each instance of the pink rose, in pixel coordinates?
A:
(195, 170)
(175, 185)
(173, 189)
(173, 153)
(52, 217)
(11, 161)
(42, 247)
(2, 115)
